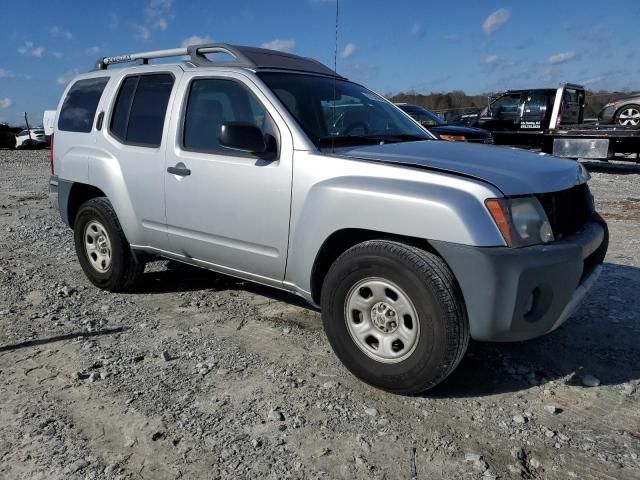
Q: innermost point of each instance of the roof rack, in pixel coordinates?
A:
(247, 57)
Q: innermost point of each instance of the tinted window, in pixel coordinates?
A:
(213, 102)
(141, 107)
(331, 110)
(79, 108)
(120, 118)
(506, 104)
(535, 102)
(423, 116)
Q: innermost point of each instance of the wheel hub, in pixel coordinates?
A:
(384, 317)
(382, 320)
(97, 246)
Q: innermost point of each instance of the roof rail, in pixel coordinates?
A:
(248, 57)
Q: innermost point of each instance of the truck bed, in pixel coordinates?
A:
(592, 141)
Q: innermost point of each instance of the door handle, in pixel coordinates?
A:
(180, 169)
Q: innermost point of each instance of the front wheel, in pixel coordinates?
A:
(102, 248)
(394, 315)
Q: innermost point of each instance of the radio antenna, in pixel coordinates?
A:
(335, 70)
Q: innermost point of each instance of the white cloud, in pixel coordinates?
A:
(561, 57)
(196, 40)
(114, 21)
(57, 32)
(496, 20)
(157, 14)
(6, 73)
(93, 50)
(490, 59)
(5, 102)
(142, 32)
(30, 50)
(348, 50)
(417, 30)
(160, 24)
(57, 54)
(281, 45)
(67, 76)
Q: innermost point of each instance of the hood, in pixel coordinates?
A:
(468, 132)
(513, 171)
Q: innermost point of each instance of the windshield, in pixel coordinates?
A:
(356, 116)
(423, 116)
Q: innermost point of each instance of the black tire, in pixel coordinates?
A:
(427, 281)
(125, 269)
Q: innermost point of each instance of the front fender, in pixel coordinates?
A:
(451, 211)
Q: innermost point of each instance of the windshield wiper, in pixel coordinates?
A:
(401, 137)
(342, 140)
(348, 140)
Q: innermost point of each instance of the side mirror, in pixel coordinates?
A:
(245, 137)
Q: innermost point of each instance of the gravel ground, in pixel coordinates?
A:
(197, 375)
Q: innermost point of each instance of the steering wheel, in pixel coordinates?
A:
(354, 125)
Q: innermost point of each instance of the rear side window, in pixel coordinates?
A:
(79, 108)
(141, 107)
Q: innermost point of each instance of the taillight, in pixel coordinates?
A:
(51, 154)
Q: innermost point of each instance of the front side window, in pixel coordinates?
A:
(213, 102)
(140, 110)
(338, 112)
(79, 108)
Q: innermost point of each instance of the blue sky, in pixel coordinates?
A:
(473, 45)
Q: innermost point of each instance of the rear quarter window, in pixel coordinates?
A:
(80, 105)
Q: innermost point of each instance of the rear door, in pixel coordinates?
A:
(135, 133)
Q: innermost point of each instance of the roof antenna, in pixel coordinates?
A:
(335, 70)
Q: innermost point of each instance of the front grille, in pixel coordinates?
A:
(567, 210)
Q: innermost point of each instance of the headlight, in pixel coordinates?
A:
(453, 138)
(522, 221)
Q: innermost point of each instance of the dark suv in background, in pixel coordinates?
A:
(442, 129)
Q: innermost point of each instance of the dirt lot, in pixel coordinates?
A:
(197, 375)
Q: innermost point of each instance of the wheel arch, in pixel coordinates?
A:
(78, 194)
(341, 240)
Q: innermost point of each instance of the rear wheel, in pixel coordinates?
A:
(102, 248)
(394, 315)
(629, 115)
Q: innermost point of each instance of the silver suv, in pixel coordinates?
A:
(272, 168)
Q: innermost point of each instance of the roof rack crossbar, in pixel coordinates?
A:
(248, 57)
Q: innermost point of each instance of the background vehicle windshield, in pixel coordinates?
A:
(423, 116)
(338, 112)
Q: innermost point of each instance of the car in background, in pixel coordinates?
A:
(441, 129)
(624, 111)
(7, 137)
(33, 138)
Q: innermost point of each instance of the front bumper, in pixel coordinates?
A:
(519, 294)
